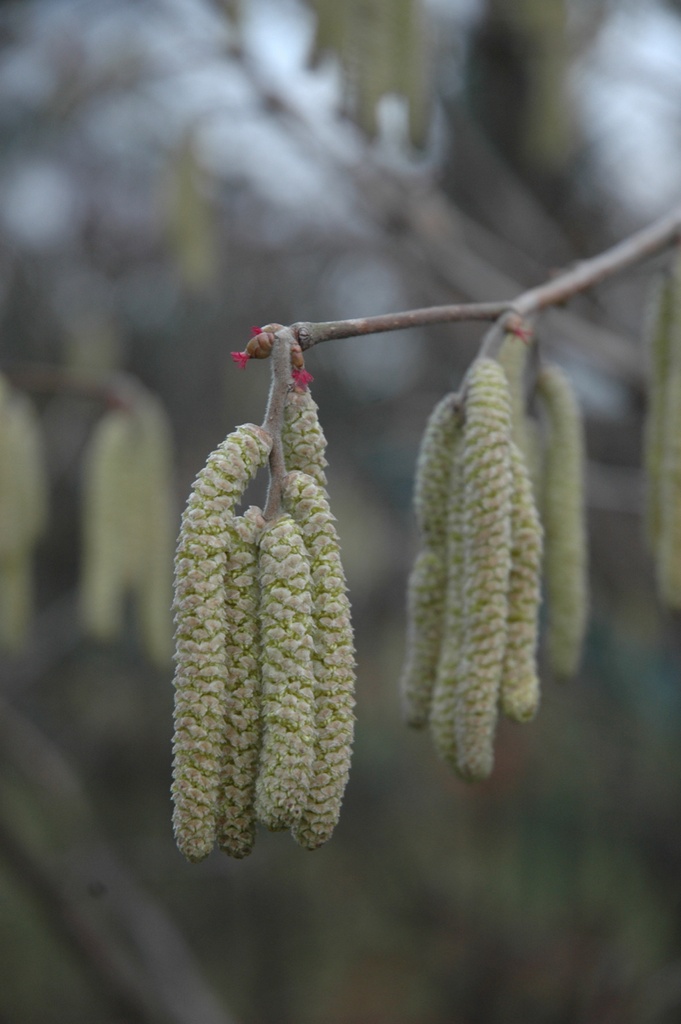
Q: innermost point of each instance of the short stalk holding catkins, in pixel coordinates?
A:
(203, 619)
(333, 661)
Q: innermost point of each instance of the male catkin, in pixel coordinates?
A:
(333, 661)
(428, 581)
(302, 436)
(288, 685)
(23, 511)
(487, 492)
(108, 500)
(203, 621)
(236, 814)
(449, 664)
(563, 509)
(519, 698)
(663, 327)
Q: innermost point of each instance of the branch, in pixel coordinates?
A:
(309, 334)
(559, 289)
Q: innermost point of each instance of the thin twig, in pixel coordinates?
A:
(309, 334)
(559, 289)
(274, 416)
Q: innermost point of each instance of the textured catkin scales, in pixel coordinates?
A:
(302, 436)
(333, 661)
(447, 679)
(236, 816)
(427, 585)
(486, 528)
(202, 620)
(288, 686)
(565, 538)
(519, 698)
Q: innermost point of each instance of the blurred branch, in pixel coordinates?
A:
(564, 286)
(163, 984)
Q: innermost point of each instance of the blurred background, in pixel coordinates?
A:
(175, 171)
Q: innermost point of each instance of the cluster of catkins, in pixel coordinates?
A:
(663, 437)
(475, 590)
(264, 684)
(128, 524)
(24, 493)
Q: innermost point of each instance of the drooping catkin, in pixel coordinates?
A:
(203, 619)
(236, 814)
(519, 697)
(563, 509)
(428, 581)
(669, 543)
(487, 492)
(333, 661)
(302, 436)
(447, 679)
(663, 334)
(23, 511)
(513, 357)
(152, 529)
(127, 502)
(663, 438)
(106, 496)
(288, 685)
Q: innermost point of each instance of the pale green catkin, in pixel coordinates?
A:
(236, 813)
(333, 661)
(428, 581)
(152, 528)
(23, 512)
(302, 436)
(288, 685)
(563, 509)
(108, 496)
(128, 530)
(487, 493)
(513, 357)
(202, 624)
(663, 330)
(448, 668)
(519, 697)
(669, 541)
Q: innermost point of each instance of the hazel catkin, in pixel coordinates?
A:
(427, 585)
(235, 827)
(203, 619)
(302, 436)
(288, 699)
(519, 696)
(563, 510)
(333, 661)
(486, 527)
